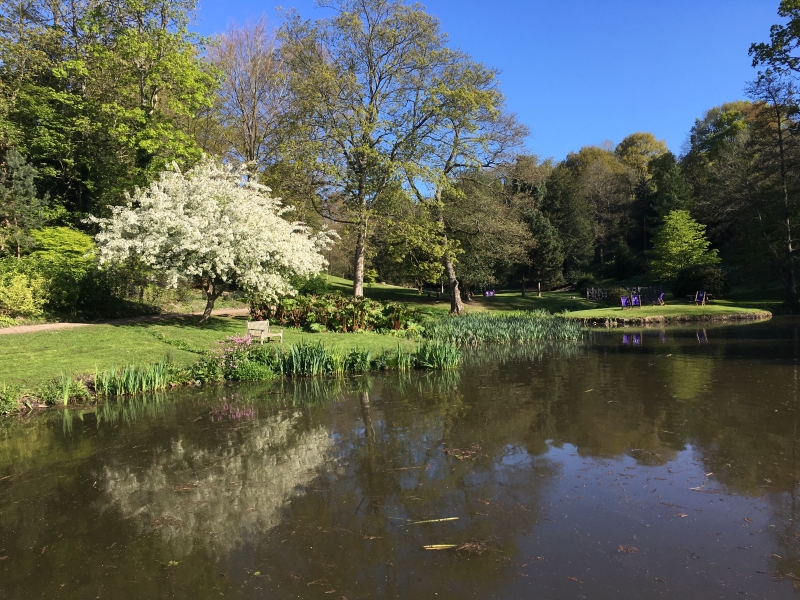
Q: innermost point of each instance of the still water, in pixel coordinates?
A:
(638, 465)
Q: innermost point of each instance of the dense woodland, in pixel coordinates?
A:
(370, 124)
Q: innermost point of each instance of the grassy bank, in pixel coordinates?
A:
(671, 313)
(29, 358)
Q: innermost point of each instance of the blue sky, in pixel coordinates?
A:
(585, 71)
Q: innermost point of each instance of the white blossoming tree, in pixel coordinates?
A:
(212, 226)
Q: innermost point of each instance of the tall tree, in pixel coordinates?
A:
(21, 206)
(363, 81)
(97, 94)
(775, 136)
(253, 97)
(681, 242)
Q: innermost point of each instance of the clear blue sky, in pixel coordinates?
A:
(586, 71)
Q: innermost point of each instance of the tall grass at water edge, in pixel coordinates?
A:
(314, 360)
(133, 379)
(516, 327)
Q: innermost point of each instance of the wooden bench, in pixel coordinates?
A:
(260, 330)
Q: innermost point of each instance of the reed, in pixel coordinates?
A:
(438, 354)
(132, 379)
(516, 327)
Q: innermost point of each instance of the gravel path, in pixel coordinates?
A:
(220, 312)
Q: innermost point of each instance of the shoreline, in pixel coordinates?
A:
(679, 319)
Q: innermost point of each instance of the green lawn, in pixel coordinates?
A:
(671, 311)
(30, 358)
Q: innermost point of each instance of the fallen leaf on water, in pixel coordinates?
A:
(775, 555)
(439, 546)
(433, 520)
(657, 580)
(575, 579)
(589, 390)
(681, 515)
(748, 520)
(627, 549)
(709, 474)
(3, 557)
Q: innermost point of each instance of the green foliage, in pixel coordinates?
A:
(334, 312)
(133, 379)
(103, 104)
(515, 327)
(546, 255)
(62, 389)
(253, 371)
(314, 285)
(63, 242)
(21, 206)
(10, 398)
(438, 354)
(680, 242)
(22, 295)
(692, 279)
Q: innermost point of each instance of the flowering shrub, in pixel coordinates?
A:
(334, 312)
(231, 354)
(212, 226)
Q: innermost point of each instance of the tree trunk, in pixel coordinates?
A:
(213, 291)
(523, 286)
(540, 289)
(358, 275)
(456, 304)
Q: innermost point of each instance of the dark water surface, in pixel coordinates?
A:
(650, 464)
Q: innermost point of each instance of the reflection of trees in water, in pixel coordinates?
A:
(354, 534)
(216, 496)
(691, 376)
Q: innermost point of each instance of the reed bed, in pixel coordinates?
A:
(132, 379)
(314, 360)
(517, 327)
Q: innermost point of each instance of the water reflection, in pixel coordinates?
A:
(669, 467)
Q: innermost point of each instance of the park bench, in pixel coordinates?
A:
(260, 329)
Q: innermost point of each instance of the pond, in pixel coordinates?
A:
(641, 464)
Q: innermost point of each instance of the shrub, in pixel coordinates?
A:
(334, 312)
(708, 278)
(613, 294)
(62, 389)
(10, 396)
(21, 295)
(253, 371)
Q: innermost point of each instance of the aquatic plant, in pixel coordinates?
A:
(517, 327)
(358, 360)
(438, 354)
(132, 379)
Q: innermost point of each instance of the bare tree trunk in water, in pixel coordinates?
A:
(361, 251)
(366, 416)
(213, 292)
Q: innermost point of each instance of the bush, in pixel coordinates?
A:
(10, 396)
(334, 312)
(613, 294)
(708, 278)
(253, 371)
(22, 295)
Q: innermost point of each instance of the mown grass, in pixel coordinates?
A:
(31, 358)
(674, 311)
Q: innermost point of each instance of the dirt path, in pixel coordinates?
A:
(220, 312)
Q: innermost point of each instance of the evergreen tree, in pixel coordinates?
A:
(21, 207)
